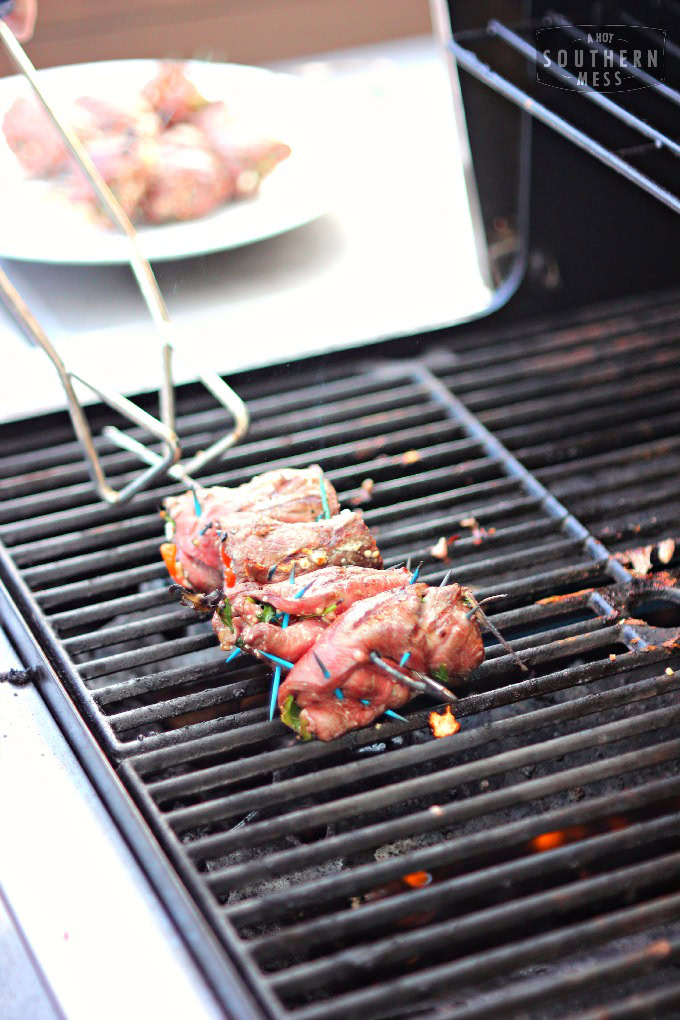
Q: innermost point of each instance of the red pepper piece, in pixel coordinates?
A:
(229, 575)
(169, 554)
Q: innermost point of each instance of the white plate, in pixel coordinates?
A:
(40, 226)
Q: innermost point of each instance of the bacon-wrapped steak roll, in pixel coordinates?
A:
(430, 623)
(286, 494)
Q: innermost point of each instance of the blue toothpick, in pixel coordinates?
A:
(445, 579)
(414, 577)
(404, 659)
(197, 505)
(324, 498)
(388, 711)
(277, 676)
(277, 672)
(299, 594)
(326, 672)
(277, 658)
(339, 694)
(232, 656)
(275, 692)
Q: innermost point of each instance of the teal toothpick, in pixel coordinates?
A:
(324, 498)
(277, 672)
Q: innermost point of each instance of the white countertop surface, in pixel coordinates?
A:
(394, 255)
(77, 916)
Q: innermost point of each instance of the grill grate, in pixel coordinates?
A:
(389, 874)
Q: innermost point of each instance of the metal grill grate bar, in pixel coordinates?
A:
(335, 457)
(568, 982)
(630, 455)
(573, 939)
(350, 924)
(345, 775)
(499, 367)
(169, 621)
(421, 416)
(341, 967)
(371, 836)
(600, 328)
(525, 412)
(150, 762)
(660, 1003)
(344, 397)
(460, 850)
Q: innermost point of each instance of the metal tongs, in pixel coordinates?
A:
(164, 429)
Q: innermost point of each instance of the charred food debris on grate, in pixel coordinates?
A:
(561, 788)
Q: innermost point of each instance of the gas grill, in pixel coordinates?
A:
(527, 866)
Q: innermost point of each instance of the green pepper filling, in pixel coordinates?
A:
(266, 614)
(329, 609)
(441, 673)
(291, 715)
(224, 613)
(170, 526)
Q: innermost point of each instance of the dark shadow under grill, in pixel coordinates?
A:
(527, 865)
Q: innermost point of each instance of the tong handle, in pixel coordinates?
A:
(151, 293)
(139, 264)
(32, 328)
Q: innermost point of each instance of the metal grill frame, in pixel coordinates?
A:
(62, 686)
(420, 374)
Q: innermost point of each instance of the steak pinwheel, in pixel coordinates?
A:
(293, 580)
(172, 95)
(311, 606)
(246, 157)
(38, 146)
(195, 554)
(203, 154)
(338, 686)
(260, 549)
(185, 180)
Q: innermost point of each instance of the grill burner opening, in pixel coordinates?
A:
(527, 865)
(658, 612)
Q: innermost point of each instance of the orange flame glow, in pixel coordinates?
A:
(418, 879)
(444, 724)
(551, 840)
(547, 841)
